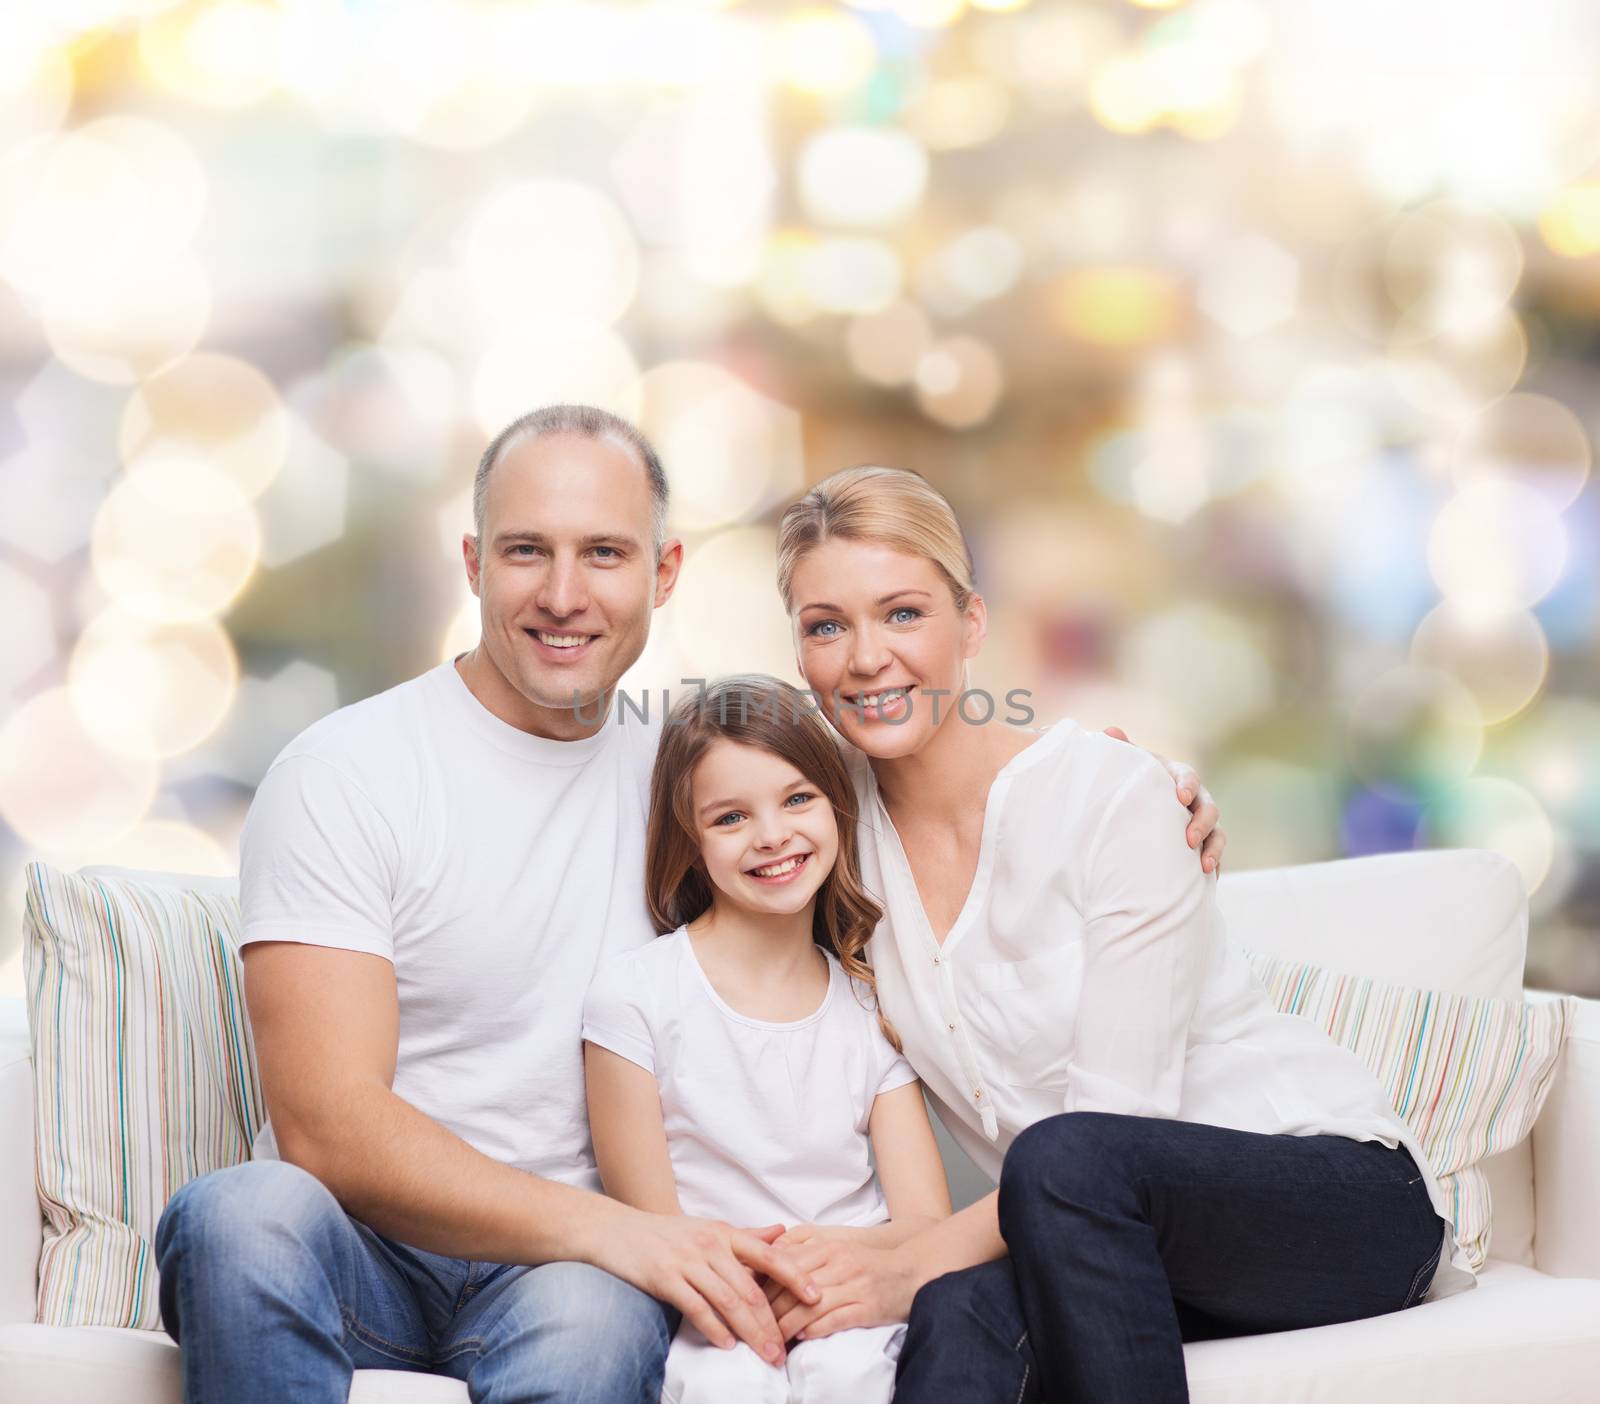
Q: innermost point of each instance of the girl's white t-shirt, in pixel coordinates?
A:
(766, 1122)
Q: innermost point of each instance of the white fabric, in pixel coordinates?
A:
(852, 1367)
(1453, 919)
(1521, 1335)
(766, 1122)
(1089, 971)
(493, 868)
(21, 1223)
(1566, 1155)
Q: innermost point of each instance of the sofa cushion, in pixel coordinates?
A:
(143, 1074)
(48, 1364)
(1469, 1076)
(1450, 919)
(1480, 1347)
(1519, 1335)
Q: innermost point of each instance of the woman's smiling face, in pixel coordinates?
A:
(879, 639)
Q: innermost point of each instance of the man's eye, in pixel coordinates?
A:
(517, 550)
(606, 552)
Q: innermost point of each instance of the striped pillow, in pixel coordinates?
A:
(1468, 1075)
(144, 1075)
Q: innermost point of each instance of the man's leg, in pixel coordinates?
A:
(967, 1342)
(561, 1333)
(1124, 1230)
(275, 1293)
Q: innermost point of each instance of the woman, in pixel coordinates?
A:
(1175, 1159)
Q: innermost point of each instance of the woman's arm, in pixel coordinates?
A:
(630, 1139)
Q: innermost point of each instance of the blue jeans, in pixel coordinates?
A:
(1129, 1235)
(275, 1293)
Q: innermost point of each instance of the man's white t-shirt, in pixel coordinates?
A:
(766, 1122)
(494, 869)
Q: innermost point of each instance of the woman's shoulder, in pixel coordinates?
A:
(1079, 768)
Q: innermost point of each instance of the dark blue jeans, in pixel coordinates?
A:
(274, 1293)
(1130, 1235)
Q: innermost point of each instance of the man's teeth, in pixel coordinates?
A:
(779, 869)
(877, 699)
(562, 640)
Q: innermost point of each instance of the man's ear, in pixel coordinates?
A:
(667, 569)
(469, 554)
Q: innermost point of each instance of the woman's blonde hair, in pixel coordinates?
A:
(892, 506)
(764, 712)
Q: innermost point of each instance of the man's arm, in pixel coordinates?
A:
(326, 1026)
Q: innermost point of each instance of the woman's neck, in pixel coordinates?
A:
(952, 773)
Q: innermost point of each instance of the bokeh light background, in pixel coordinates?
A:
(1254, 340)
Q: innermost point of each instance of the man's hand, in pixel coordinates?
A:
(1197, 800)
(707, 1270)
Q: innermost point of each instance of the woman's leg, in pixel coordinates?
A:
(967, 1342)
(1127, 1232)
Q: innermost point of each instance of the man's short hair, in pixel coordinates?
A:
(587, 422)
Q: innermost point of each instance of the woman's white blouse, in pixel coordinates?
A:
(1089, 971)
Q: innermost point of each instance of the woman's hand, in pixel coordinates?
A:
(860, 1286)
(1197, 800)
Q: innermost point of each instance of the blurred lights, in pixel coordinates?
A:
(1414, 731)
(862, 176)
(1496, 547)
(730, 447)
(726, 614)
(1490, 812)
(60, 789)
(1117, 307)
(1527, 439)
(885, 347)
(1570, 223)
(214, 408)
(1502, 661)
(850, 274)
(221, 54)
(175, 540)
(145, 689)
(549, 248)
(956, 113)
(959, 382)
(824, 52)
(553, 360)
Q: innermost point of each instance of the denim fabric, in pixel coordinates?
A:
(1129, 1235)
(275, 1293)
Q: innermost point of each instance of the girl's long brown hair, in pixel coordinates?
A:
(754, 710)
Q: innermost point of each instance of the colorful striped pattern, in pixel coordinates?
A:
(144, 1077)
(1468, 1075)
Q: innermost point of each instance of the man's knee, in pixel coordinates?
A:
(229, 1212)
(618, 1330)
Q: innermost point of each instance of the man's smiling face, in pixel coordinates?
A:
(567, 576)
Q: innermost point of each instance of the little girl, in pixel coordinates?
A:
(736, 1067)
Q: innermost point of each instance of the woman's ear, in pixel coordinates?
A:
(976, 627)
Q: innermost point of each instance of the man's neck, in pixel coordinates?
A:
(498, 697)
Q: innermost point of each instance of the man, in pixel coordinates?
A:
(428, 880)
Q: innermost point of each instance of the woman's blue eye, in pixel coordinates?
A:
(906, 609)
(820, 625)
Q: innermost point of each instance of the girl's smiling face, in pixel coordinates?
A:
(879, 627)
(767, 835)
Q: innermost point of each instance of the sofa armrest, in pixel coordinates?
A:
(21, 1224)
(1566, 1155)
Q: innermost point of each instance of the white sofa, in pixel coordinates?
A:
(1529, 1331)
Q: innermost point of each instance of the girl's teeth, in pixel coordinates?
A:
(787, 866)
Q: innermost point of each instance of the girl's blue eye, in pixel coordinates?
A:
(801, 795)
(723, 820)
